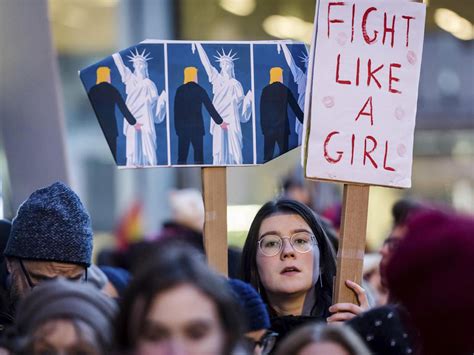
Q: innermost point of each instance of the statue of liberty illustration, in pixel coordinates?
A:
(146, 106)
(230, 102)
(299, 76)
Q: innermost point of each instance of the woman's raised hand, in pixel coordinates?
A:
(345, 311)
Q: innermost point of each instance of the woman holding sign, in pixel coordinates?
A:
(288, 258)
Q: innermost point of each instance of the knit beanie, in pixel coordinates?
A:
(59, 299)
(430, 273)
(96, 277)
(52, 225)
(118, 277)
(255, 310)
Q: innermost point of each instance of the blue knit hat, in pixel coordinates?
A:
(118, 277)
(52, 225)
(255, 310)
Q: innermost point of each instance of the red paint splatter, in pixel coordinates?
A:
(411, 57)
(328, 101)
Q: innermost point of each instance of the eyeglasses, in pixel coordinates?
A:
(32, 285)
(272, 244)
(266, 342)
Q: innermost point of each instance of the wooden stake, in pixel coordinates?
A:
(214, 187)
(350, 255)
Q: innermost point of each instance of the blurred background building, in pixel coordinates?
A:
(84, 31)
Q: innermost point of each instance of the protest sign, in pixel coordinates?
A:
(175, 103)
(364, 92)
(359, 124)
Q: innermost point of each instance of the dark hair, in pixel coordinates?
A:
(327, 263)
(403, 209)
(318, 333)
(169, 268)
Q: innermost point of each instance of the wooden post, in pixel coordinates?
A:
(214, 187)
(350, 255)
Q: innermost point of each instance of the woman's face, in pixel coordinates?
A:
(288, 272)
(182, 320)
(226, 67)
(140, 66)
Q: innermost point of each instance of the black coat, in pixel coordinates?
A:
(104, 98)
(274, 109)
(188, 110)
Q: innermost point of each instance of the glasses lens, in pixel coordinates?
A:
(270, 244)
(268, 343)
(302, 242)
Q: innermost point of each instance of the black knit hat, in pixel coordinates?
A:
(255, 311)
(61, 298)
(52, 225)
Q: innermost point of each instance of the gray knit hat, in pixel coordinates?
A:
(52, 225)
(61, 298)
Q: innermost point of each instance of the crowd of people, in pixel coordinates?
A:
(161, 297)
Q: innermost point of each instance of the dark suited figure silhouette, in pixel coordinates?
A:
(274, 102)
(188, 120)
(104, 98)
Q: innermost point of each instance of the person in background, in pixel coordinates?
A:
(288, 258)
(295, 187)
(402, 210)
(50, 236)
(323, 339)
(387, 330)
(257, 321)
(186, 224)
(430, 274)
(118, 280)
(62, 317)
(175, 304)
(371, 277)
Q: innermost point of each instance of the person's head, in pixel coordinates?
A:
(257, 320)
(51, 236)
(402, 210)
(187, 208)
(294, 187)
(322, 339)
(139, 61)
(430, 274)
(190, 74)
(176, 303)
(118, 280)
(287, 253)
(226, 62)
(276, 75)
(103, 75)
(60, 316)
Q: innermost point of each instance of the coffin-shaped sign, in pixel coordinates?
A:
(175, 103)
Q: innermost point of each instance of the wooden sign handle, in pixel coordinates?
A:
(350, 255)
(214, 187)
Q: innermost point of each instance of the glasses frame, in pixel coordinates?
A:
(313, 243)
(267, 342)
(33, 285)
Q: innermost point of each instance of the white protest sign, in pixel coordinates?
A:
(364, 91)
